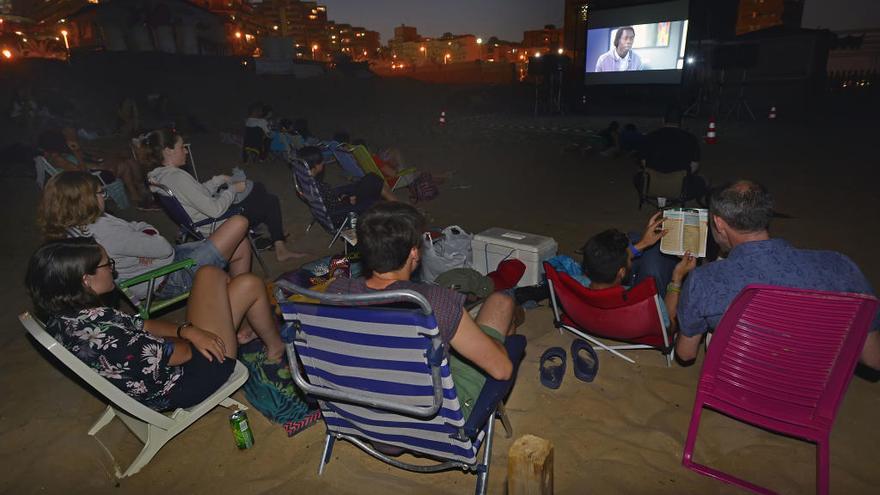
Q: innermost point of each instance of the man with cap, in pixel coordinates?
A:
(389, 238)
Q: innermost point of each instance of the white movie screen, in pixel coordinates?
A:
(642, 44)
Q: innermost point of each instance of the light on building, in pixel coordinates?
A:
(6, 53)
(479, 41)
(275, 27)
(238, 34)
(537, 54)
(560, 51)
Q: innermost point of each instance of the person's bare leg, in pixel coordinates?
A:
(497, 312)
(386, 194)
(248, 300)
(209, 307)
(284, 254)
(229, 240)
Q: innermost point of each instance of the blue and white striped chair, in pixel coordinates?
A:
(381, 376)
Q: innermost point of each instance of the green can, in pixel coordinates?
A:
(241, 430)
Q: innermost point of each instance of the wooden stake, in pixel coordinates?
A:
(530, 466)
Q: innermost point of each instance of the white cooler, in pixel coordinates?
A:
(495, 245)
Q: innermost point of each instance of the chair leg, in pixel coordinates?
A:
(338, 232)
(103, 421)
(687, 458)
(156, 439)
(505, 420)
(823, 467)
(600, 344)
(483, 473)
(257, 255)
(325, 456)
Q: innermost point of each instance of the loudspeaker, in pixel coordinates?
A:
(735, 56)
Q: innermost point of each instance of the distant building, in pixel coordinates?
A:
(855, 51)
(754, 15)
(543, 40)
(305, 22)
(354, 41)
(445, 50)
(404, 33)
(170, 26)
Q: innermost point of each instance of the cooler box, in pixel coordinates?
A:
(494, 245)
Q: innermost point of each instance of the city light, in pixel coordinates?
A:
(690, 60)
(238, 34)
(479, 41)
(66, 44)
(275, 27)
(537, 54)
(446, 58)
(560, 51)
(7, 54)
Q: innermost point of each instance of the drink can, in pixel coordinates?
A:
(241, 430)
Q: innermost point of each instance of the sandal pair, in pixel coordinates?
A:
(554, 360)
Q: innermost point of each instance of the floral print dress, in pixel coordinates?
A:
(115, 345)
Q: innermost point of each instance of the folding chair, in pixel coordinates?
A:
(190, 166)
(781, 360)
(149, 306)
(368, 165)
(346, 160)
(115, 189)
(381, 376)
(187, 229)
(653, 185)
(631, 316)
(334, 221)
(153, 429)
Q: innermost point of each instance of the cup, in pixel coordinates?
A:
(661, 202)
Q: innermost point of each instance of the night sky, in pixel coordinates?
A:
(507, 19)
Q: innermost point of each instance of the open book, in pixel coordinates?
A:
(688, 231)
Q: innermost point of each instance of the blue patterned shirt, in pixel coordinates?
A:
(709, 290)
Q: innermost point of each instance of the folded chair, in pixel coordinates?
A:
(781, 359)
(381, 376)
(115, 189)
(652, 185)
(368, 165)
(632, 316)
(153, 429)
(187, 228)
(346, 160)
(334, 221)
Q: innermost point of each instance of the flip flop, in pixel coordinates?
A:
(551, 372)
(585, 367)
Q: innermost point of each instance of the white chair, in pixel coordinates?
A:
(154, 429)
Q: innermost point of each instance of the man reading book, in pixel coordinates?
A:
(739, 218)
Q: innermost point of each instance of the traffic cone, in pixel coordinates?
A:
(772, 115)
(442, 120)
(710, 133)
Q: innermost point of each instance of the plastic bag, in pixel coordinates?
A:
(453, 250)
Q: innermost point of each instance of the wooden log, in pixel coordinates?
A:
(530, 466)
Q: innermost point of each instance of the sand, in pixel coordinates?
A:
(622, 433)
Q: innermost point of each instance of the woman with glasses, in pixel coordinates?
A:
(208, 200)
(72, 205)
(163, 365)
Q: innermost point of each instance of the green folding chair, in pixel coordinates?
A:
(366, 162)
(149, 305)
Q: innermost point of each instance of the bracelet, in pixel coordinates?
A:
(673, 287)
(181, 327)
(634, 250)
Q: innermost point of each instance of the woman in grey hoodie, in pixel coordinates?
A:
(206, 200)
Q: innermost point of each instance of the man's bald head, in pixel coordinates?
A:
(745, 205)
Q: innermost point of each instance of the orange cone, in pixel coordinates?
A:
(442, 120)
(710, 133)
(772, 115)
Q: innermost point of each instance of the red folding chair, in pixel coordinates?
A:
(632, 316)
(781, 359)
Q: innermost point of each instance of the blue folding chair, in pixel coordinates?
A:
(334, 221)
(381, 376)
(187, 228)
(346, 160)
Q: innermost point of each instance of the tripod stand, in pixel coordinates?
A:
(741, 102)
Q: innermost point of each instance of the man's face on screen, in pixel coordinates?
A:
(626, 42)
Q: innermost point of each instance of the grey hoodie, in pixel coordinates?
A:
(200, 201)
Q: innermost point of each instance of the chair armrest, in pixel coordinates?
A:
(158, 272)
(494, 391)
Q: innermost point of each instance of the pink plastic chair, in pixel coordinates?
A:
(781, 359)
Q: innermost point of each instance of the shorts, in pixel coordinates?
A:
(203, 253)
(200, 379)
(468, 379)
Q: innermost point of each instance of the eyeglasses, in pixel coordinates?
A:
(110, 262)
(103, 193)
